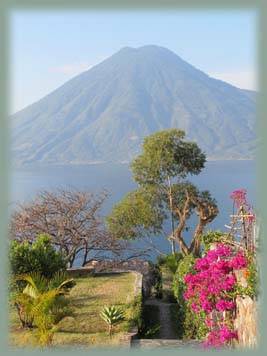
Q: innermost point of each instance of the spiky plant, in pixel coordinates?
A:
(112, 315)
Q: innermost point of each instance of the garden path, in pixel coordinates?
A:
(166, 326)
(167, 333)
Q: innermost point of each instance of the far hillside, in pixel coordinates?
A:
(103, 114)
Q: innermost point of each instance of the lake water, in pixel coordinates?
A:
(219, 177)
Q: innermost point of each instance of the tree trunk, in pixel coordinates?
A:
(173, 246)
(195, 244)
(110, 330)
(172, 218)
(86, 251)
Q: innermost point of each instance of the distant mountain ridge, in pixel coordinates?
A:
(103, 114)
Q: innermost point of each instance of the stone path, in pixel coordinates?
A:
(167, 344)
(167, 336)
(166, 330)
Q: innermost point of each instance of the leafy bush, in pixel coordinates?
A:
(40, 256)
(212, 237)
(172, 261)
(185, 266)
(191, 325)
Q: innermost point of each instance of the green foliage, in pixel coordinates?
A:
(40, 256)
(185, 266)
(212, 237)
(166, 159)
(112, 315)
(42, 303)
(191, 325)
(253, 276)
(165, 153)
(187, 324)
(172, 261)
(139, 211)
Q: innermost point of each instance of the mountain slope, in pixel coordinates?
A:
(104, 113)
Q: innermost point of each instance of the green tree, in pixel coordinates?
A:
(40, 256)
(163, 193)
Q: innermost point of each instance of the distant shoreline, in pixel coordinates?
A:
(97, 163)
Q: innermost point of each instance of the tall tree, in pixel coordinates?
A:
(163, 193)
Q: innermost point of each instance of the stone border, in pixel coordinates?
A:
(80, 272)
(126, 339)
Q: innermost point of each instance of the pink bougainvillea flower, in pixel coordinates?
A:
(239, 261)
(239, 196)
(250, 218)
(222, 305)
(195, 307)
(209, 288)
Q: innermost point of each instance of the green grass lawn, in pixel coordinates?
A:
(85, 328)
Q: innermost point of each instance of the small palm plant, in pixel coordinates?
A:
(112, 315)
(42, 302)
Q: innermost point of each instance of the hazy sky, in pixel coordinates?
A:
(49, 47)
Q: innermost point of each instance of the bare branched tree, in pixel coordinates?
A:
(71, 218)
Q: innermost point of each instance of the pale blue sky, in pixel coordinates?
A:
(49, 47)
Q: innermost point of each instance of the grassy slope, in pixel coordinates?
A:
(85, 327)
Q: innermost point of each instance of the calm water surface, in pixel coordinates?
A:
(219, 177)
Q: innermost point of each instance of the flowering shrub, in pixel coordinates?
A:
(211, 288)
(191, 325)
(240, 199)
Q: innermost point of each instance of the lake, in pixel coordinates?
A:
(219, 177)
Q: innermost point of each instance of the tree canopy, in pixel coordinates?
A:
(166, 155)
(163, 193)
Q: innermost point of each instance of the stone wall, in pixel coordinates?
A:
(127, 338)
(80, 272)
(246, 321)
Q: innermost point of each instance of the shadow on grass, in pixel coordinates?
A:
(110, 274)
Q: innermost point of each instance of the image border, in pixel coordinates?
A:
(5, 7)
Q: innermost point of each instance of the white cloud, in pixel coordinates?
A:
(240, 79)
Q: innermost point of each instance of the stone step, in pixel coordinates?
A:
(166, 343)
